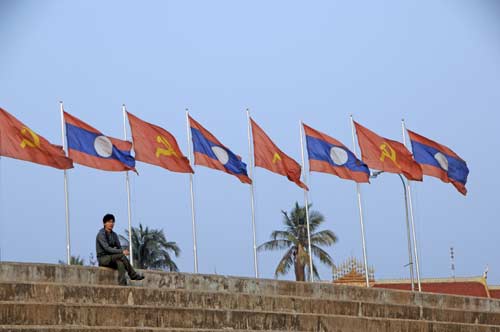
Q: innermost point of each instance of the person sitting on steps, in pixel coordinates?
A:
(110, 253)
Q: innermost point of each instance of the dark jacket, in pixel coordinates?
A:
(107, 244)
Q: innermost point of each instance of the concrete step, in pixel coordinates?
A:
(138, 296)
(76, 328)
(97, 318)
(15, 313)
(29, 272)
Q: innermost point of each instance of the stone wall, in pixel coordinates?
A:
(58, 297)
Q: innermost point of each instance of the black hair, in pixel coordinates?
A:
(108, 217)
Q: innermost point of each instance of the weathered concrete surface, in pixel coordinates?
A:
(356, 327)
(87, 298)
(56, 328)
(91, 315)
(140, 296)
(63, 274)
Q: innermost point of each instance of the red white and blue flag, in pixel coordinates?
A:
(209, 152)
(89, 147)
(327, 155)
(439, 161)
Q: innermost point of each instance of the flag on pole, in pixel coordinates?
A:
(154, 145)
(209, 152)
(89, 147)
(386, 155)
(267, 155)
(327, 155)
(439, 161)
(18, 141)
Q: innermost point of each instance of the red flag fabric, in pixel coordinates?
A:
(387, 155)
(267, 155)
(154, 145)
(18, 141)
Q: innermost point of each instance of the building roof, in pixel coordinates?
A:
(475, 286)
(352, 272)
(494, 292)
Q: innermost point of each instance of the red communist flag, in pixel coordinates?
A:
(154, 145)
(267, 155)
(387, 155)
(20, 142)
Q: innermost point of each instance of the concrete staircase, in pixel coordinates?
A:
(43, 297)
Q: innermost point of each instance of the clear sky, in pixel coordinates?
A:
(435, 63)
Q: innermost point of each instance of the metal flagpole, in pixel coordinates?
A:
(127, 181)
(403, 127)
(0, 203)
(250, 173)
(306, 200)
(358, 191)
(66, 199)
(407, 220)
(410, 256)
(193, 216)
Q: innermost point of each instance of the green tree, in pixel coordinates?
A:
(151, 249)
(294, 240)
(74, 260)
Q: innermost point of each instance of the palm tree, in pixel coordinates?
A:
(294, 240)
(151, 249)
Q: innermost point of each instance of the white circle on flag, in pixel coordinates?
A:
(103, 146)
(221, 154)
(442, 160)
(338, 155)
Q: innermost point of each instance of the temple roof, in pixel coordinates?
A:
(494, 292)
(351, 272)
(474, 286)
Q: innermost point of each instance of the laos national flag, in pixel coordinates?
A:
(327, 155)
(88, 146)
(439, 161)
(209, 152)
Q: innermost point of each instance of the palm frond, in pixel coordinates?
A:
(323, 256)
(325, 237)
(152, 250)
(285, 263)
(315, 272)
(282, 235)
(275, 245)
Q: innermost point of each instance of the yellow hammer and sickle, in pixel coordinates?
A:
(169, 151)
(31, 139)
(276, 158)
(388, 151)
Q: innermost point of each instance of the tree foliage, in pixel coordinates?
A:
(151, 249)
(294, 240)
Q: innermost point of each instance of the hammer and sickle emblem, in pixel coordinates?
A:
(388, 151)
(31, 139)
(276, 158)
(169, 151)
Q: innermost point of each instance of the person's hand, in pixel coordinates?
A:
(125, 252)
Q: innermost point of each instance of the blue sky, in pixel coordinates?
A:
(434, 63)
